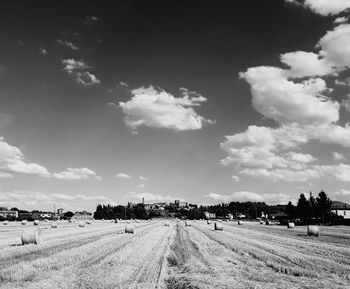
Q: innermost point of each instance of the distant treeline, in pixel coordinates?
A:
(308, 210)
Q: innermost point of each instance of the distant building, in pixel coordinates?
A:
(209, 215)
(177, 203)
(60, 211)
(182, 204)
(46, 215)
(341, 209)
(84, 215)
(6, 214)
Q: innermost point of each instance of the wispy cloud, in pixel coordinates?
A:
(77, 69)
(123, 176)
(76, 174)
(67, 44)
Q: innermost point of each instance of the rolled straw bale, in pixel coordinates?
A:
(129, 229)
(291, 225)
(54, 225)
(188, 224)
(208, 222)
(5, 223)
(261, 222)
(313, 231)
(88, 222)
(267, 222)
(240, 222)
(31, 236)
(116, 221)
(81, 224)
(24, 222)
(218, 226)
(167, 224)
(36, 222)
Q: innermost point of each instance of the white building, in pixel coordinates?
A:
(343, 212)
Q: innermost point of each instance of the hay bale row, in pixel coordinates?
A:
(218, 226)
(290, 225)
(129, 229)
(313, 231)
(240, 222)
(31, 236)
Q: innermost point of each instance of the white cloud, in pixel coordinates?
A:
(245, 196)
(142, 186)
(159, 109)
(340, 20)
(148, 197)
(67, 44)
(76, 174)
(86, 78)
(43, 51)
(342, 193)
(325, 7)
(123, 176)
(71, 65)
(346, 103)
(142, 178)
(300, 157)
(12, 161)
(303, 64)
(286, 101)
(77, 69)
(338, 156)
(236, 178)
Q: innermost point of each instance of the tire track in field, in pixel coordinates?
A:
(183, 250)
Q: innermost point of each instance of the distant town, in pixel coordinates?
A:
(311, 210)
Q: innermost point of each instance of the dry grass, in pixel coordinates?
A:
(101, 256)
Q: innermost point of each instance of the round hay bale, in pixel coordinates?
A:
(218, 226)
(24, 222)
(54, 225)
(267, 222)
(261, 222)
(31, 236)
(167, 224)
(36, 222)
(208, 222)
(129, 229)
(313, 231)
(137, 221)
(81, 225)
(188, 224)
(5, 223)
(70, 221)
(116, 221)
(88, 222)
(240, 222)
(290, 225)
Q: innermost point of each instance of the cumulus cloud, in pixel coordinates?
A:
(148, 197)
(123, 176)
(77, 69)
(142, 178)
(76, 174)
(246, 196)
(338, 156)
(159, 109)
(325, 7)
(34, 199)
(236, 178)
(340, 20)
(12, 161)
(67, 44)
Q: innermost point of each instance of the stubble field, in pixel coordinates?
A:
(101, 255)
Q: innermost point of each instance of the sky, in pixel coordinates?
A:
(202, 101)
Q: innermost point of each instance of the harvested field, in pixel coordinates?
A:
(101, 255)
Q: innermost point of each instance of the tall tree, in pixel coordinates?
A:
(290, 210)
(313, 206)
(303, 208)
(323, 204)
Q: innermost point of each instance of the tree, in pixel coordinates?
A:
(303, 208)
(313, 209)
(68, 215)
(290, 210)
(323, 204)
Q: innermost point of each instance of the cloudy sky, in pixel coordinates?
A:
(205, 101)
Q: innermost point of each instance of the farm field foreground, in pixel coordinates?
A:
(101, 255)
